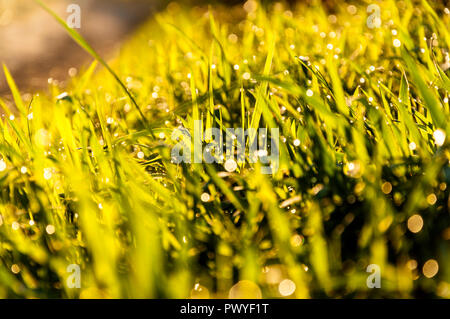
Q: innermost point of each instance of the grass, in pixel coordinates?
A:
(87, 179)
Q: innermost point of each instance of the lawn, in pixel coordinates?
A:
(90, 189)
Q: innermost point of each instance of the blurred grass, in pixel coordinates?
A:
(363, 124)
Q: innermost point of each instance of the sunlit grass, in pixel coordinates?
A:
(86, 173)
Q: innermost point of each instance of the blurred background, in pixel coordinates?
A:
(35, 47)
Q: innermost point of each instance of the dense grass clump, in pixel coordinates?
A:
(87, 179)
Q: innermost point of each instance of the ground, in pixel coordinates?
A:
(35, 48)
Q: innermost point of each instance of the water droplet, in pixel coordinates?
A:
(430, 268)
(47, 173)
(50, 229)
(415, 223)
(286, 287)
(245, 289)
(2, 165)
(205, 197)
(230, 165)
(439, 137)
